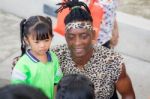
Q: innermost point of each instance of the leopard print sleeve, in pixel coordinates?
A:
(60, 51)
(115, 67)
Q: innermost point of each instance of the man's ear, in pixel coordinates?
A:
(94, 38)
(94, 35)
(65, 35)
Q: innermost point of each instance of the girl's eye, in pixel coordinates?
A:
(47, 40)
(36, 42)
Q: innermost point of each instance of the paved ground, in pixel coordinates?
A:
(135, 7)
(137, 69)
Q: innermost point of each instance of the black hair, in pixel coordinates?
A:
(21, 92)
(77, 13)
(75, 86)
(40, 26)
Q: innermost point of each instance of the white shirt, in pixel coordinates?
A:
(109, 8)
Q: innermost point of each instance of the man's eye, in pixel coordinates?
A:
(70, 36)
(84, 36)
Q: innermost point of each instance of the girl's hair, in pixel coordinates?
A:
(79, 11)
(75, 86)
(21, 92)
(38, 26)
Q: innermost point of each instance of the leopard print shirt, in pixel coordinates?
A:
(103, 68)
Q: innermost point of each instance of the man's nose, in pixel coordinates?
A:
(78, 41)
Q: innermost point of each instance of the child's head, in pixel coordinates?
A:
(36, 32)
(21, 92)
(75, 86)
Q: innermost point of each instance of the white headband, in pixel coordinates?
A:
(77, 25)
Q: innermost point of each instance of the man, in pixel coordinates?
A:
(103, 66)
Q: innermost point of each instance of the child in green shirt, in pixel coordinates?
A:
(37, 67)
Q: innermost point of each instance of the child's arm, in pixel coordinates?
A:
(115, 35)
(57, 72)
(20, 73)
(18, 77)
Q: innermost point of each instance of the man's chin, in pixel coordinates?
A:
(78, 55)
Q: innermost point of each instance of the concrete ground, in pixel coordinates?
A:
(137, 68)
(135, 7)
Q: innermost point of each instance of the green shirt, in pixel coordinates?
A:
(31, 71)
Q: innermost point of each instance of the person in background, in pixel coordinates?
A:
(109, 28)
(21, 91)
(75, 86)
(108, 35)
(37, 66)
(104, 67)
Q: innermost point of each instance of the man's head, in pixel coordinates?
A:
(79, 28)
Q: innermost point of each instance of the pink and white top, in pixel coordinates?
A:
(109, 8)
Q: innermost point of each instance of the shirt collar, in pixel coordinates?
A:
(34, 59)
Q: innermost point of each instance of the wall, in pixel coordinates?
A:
(134, 31)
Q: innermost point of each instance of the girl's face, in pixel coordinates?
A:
(38, 47)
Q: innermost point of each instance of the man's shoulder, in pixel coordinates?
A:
(103, 51)
(60, 50)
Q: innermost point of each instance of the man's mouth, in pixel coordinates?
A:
(78, 50)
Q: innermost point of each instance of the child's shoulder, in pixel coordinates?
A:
(52, 53)
(23, 59)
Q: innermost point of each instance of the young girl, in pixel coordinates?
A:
(37, 67)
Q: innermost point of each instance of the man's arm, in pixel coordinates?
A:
(124, 85)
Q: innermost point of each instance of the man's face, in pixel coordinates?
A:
(79, 41)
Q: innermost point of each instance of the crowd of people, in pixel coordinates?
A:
(73, 86)
(79, 69)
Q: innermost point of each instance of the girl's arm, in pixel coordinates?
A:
(115, 35)
(18, 77)
(20, 72)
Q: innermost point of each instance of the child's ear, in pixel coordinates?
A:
(26, 41)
